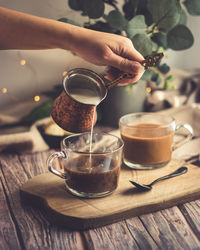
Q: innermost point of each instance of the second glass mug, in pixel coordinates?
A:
(90, 171)
(149, 139)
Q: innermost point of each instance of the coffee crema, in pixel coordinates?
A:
(147, 143)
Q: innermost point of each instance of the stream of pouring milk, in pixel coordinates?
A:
(88, 96)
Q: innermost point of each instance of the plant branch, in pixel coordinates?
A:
(112, 3)
(156, 24)
(154, 69)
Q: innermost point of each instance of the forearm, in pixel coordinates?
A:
(23, 31)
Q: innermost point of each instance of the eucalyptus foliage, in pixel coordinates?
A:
(152, 25)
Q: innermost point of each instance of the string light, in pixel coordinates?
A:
(22, 62)
(64, 73)
(4, 90)
(36, 98)
(148, 89)
(12, 97)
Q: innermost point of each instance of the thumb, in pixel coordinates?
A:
(125, 65)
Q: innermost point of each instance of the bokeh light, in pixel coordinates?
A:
(64, 73)
(23, 62)
(4, 90)
(148, 89)
(36, 98)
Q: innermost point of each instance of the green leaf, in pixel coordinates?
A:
(143, 10)
(165, 13)
(160, 39)
(142, 4)
(75, 4)
(170, 78)
(143, 44)
(101, 26)
(66, 20)
(180, 38)
(116, 20)
(39, 112)
(183, 17)
(160, 49)
(156, 78)
(130, 8)
(164, 68)
(168, 84)
(84, 14)
(147, 75)
(136, 25)
(154, 47)
(193, 7)
(128, 88)
(94, 8)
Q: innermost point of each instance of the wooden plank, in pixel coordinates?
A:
(169, 229)
(112, 237)
(34, 229)
(8, 234)
(191, 212)
(141, 234)
(125, 202)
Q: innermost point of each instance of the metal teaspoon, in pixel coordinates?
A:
(148, 187)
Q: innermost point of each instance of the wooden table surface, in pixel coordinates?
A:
(26, 227)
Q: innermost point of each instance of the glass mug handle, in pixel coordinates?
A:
(50, 160)
(188, 137)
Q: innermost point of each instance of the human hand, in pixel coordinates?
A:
(114, 51)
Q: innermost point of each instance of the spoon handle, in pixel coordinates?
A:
(179, 171)
(119, 79)
(149, 61)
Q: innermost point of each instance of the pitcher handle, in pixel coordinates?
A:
(50, 160)
(188, 137)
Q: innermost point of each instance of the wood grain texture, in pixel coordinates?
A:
(32, 228)
(191, 213)
(26, 227)
(8, 232)
(169, 228)
(63, 208)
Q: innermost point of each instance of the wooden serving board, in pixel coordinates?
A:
(48, 191)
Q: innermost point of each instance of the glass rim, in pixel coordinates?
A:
(139, 114)
(93, 153)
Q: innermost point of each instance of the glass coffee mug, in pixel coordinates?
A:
(91, 165)
(149, 139)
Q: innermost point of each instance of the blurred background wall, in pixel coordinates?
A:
(26, 74)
